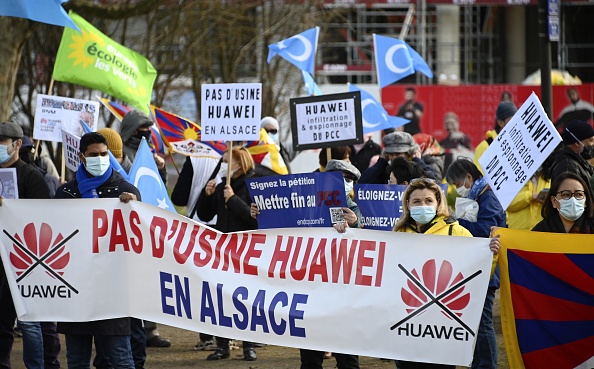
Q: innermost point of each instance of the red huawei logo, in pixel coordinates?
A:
(39, 245)
(436, 283)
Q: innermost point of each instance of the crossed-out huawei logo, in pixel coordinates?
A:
(443, 288)
(40, 250)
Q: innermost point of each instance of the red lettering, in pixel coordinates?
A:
(340, 260)
(253, 252)
(299, 274)
(232, 237)
(281, 256)
(158, 229)
(234, 253)
(118, 232)
(181, 257)
(318, 265)
(99, 230)
(136, 242)
(379, 272)
(206, 246)
(363, 261)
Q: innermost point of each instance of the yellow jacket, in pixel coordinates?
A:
(523, 212)
(482, 147)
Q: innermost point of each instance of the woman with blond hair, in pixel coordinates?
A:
(425, 210)
(231, 204)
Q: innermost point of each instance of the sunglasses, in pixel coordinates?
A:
(273, 131)
(423, 179)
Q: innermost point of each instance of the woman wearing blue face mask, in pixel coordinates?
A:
(569, 209)
(425, 210)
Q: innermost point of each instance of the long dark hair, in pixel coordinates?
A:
(548, 210)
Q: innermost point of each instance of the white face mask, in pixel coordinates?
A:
(224, 169)
(97, 165)
(571, 209)
(348, 187)
(462, 190)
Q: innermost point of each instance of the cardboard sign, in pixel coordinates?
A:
(54, 113)
(298, 200)
(231, 111)
(326, 121)
(71, 149)
(519, 149)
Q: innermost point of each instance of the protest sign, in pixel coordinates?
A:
(326, 121)
(519, 149)
(298, 200)
(8, 183)
(407, 296)
(71, 145)
(54, 113)
(231, 111)
(381, 205)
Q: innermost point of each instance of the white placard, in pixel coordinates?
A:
(231, 111)
(519, 149)
(308, 288)
(54, 113)
(9, 188)
(71, 145)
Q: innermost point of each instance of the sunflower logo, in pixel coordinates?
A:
(80, 44)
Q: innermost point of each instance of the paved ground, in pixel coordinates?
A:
(181, 355)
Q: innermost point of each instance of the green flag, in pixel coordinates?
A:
(94, 60)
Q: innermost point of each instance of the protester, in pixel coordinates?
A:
(573, 156)
(569, 208)
(95, 178)
(396, 144)
(136, 126)
(272, 127)
(403, 171)
(30, 185)
(231, 205)
(506, 96)
(456, 139)
(337, 152)
(361, 154)
(577, 109)
(115, 144)
(411, 110)
(524, 212)
(504, 113)
(425, 210)
(27, 154)
(431, 153)
(351, 213)
(471, 184)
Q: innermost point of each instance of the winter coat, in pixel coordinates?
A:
(483, 146)
(554, 224)
(440, 226)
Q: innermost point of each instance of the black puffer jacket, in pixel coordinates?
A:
(234, 215)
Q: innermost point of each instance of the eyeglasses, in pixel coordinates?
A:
(273, 131)
(566, 195)
(422, 179)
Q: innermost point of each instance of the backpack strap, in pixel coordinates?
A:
(450, 231)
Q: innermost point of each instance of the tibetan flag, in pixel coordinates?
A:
(299, 50)
(395, 59)
(183, 136)
(265, 152)
(94, 60)
(547, 299)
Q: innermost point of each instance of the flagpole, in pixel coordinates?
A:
(229, 161)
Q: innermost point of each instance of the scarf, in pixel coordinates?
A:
(477, 188)
(87, 184)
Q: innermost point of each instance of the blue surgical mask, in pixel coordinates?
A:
(97, 165)
(423, 214)
(4, 155)
(571, 209)
(273, 137)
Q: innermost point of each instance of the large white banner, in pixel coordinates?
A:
(231, 111)
(520, 148)
(407, 296)
(54, 113)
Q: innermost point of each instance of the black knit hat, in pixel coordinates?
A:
(577, 130)
(505, 110)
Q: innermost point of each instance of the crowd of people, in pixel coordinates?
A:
(557, 198)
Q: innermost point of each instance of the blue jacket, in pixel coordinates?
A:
(490, 214)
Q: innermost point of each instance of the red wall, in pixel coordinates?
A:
(474, 104)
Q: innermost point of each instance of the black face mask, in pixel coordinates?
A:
(141, 134)
(588, 152)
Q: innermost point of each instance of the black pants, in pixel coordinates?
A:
(311, 359)
(414, 365)
(223, 342)
(7, 318)
(51, 345)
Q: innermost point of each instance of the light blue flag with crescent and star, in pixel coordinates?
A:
(144, 175)
(375, 117)
(395, 59)
(299, 50)
(43, 11)
(310, 85)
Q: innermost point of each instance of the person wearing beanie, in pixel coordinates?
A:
(270, 124)
(504, 113)
(573, 156)
(114, 142)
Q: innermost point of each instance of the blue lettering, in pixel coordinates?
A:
(224, 321)
(207, 308)
(259, 312)
(295, 314)
(284, 299)
(166, 293)
(243, 293)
